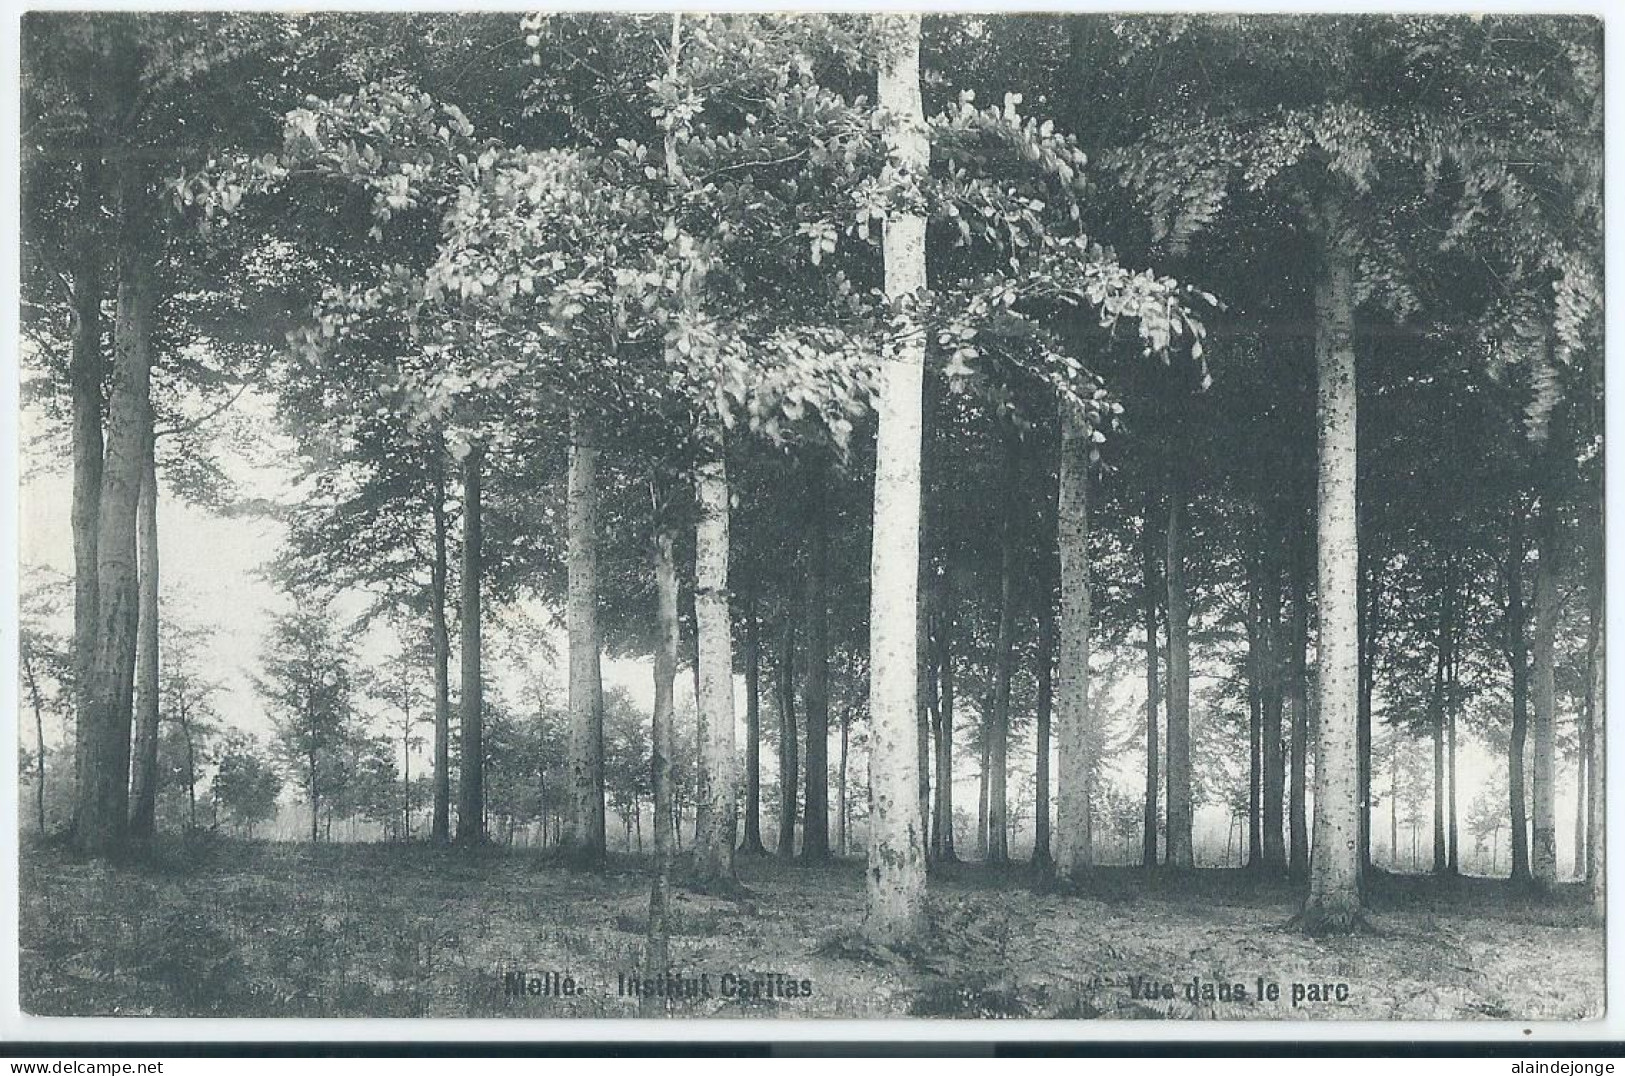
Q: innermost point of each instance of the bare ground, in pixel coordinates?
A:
(231, 928)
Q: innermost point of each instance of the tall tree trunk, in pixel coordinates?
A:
(714, 858)
(1043, 859)
(1517, 648)
(1591, 715)
(841, 808)
(895, 878)
(1393, 806)
(1543, 773)
(752, 844)
(586, 834)
(1178, 816)
(1371, 572)
(1597, 763)
(471, 772)
(1075, 764)
(104, 787)
(144, 753)
(789, 759)
(998, 828)
(1149, 604)
(1271, 704)
(815, 819)
(1436, 725)
(1297, 702)
(440, 826)
(1255, 727)
(657, 947)
(984, 778)
(1334, 885)
(1453, 865)
(85, 372)
(942, 828)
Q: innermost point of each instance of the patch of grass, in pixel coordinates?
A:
(218, 927)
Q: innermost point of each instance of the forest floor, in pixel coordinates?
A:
(233, 928)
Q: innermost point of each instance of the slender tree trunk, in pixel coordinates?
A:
(1543, 774)
(1271, 704)
(144, 754)
(1436, 724)
(815, 819)
(1597, 764)
(942, 829)
(471, 773)
(1591, 711)
(38, 707)
(1297, 702)
(104, 789)
(85, 372)
(1075, 766)
(191, 772)
(1371, 573)
(440, 831)
(1393, 806)
(1153, 691)
(657, 948)
(1453, 865)
(753, 732)
(998, 822)
(841, 815)
(1518, 657)
(984, 779)
(789, 759)
(1043, 859)
(586, 834)
(1178, 817)
(895, 878)
(1334, 886)
(714, 643)
(1255, 728)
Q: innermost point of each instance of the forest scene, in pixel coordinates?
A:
(1089, 517)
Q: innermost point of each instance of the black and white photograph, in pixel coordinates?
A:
(923, 516)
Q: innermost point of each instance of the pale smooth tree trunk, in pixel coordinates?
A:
(102, 810)
(586, 696)
(471, 773)
(1334, 902)
(144, 750)
(714, 850)
(815, 817)
(895, 879)
(1178, 816)
(1075, 762)
(657, 948)
(440, 826)
(1543, 696)
(1596, 844)
(842, 807)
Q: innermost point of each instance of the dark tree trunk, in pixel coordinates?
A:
(440, 831)
(1372, 576)
(1255, 726)
(1543, 691)
(1149, 606)
(1042, 859)
(752, 844)
(1517, 649)
(471, 774)
(1178, 815)
(998, 835)
(1297, 699)
(815, 818)
(86, 372)
(38, 707)
(1437, 707)
(789, 758)
(942, 827)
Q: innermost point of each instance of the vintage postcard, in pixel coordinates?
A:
(931, 517)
